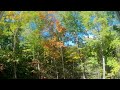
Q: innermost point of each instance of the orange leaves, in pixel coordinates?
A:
(57, 22)
(51, 12)
(53, 43)
(51, 23)
(59, 27)
(41, 15)
(59, 44)
(47, 44)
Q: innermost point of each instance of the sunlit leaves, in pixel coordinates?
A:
(112, 62)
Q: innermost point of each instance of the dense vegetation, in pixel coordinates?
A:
(59, 45)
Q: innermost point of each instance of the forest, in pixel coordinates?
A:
(59, 45)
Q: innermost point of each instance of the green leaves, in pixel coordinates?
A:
(89, 33)
(112, 62)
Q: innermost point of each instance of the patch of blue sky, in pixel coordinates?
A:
(21, 38)
(116, 22)
(80, 35)
(113, 21)
(89, 32)
(45, 34)
(78, 22)
(33, 26)
(98, 26)
(67, 34)
(51, 15)
(92, 18)
(9, 20)
(18, 12)
(110, 21)
(54, 27)
(69, 43)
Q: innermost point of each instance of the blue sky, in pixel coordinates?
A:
(71, 40)
(80, 35)
(46, 34)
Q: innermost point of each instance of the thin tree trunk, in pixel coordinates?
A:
(103, 67)
(15, 75)
(56, 69)
(77, 43)
(39, 70)
(14, 52)
(84, 76)
(98, 74)
(33, 52)
(62, 63)
(73, 69)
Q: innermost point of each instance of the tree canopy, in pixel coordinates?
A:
(59, 45)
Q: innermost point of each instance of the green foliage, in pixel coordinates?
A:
(29, 54)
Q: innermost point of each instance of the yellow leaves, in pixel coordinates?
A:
(71, 60)
(114, 64)
(13, 16)
(2, 23)
(81, 55)
(17, 17)
(27, 50)
(76, 57)
(55, 54)
(116, 69)
(10, 13)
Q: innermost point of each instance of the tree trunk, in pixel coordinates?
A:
(62, 63)
(73, 69)
(14, 52)
(103, 67)
(15, 75)
(33, 52)
(56, 69)
(84, 76)
(77, 43)
(98, 74)
(39, 71)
